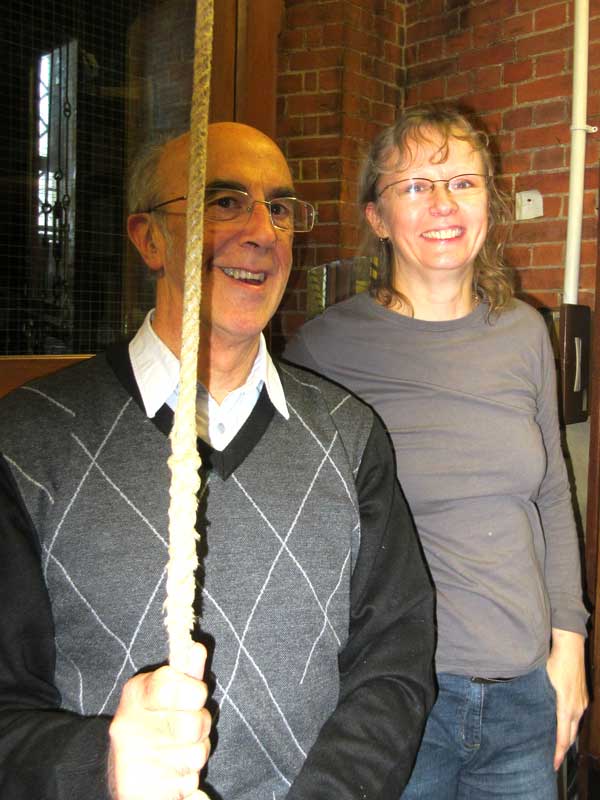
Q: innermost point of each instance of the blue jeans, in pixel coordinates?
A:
(486, 741)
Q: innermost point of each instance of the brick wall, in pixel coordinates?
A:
(340, 81)
(512, 63)
(346, 66)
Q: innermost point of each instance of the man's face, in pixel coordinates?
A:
(246, 261)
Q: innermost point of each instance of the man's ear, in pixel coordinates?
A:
(147, 239)
(374, 219)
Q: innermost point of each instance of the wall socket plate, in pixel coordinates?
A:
(529, 204)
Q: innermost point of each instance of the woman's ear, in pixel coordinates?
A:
(146, 238)
(374, 219)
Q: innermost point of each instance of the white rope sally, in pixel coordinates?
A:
(184, 461)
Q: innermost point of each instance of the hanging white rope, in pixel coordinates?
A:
(184, 461)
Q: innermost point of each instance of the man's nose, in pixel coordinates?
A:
(259, 226)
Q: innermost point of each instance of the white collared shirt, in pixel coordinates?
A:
(156, 372)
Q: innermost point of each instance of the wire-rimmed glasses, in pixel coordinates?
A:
(415, 189)
(227, 205)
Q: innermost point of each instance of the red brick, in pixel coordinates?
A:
(314, 37)
(311, 59)
(500, 54)
(541, 278)
(333, 34)
(551, 64)
(491, 122)
(589, 253)
(312, 103)
(546, 113)
(545, 182)
(329, 212)
(309, 14)
(290, 83)
(423, 9)
(425, 72)
(308, 169)
(549, 158)
(539, 231)
(488, 34)
(505, 143)
(544, 42)
(590, 203)
(515, 163)
(488, 77)
(488, 12)
(554, 16)
(592, 150)
(431, 90)
(517, 25)
(532, 5)
(330, 79)
(541, 299)
(393, 53)
(310, 125)
(431, 28)
(594, 80)
(544, 88)
(292, 40)
(519, 71)
(543, 136)
(458, 85)
(322, 146)
(310, 81)
(547, 255)
(497, 99)
(458, 42)
(518, 255)
(518, 117)
(553, 206)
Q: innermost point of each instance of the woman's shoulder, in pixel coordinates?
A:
(341, 316)
(523, 314)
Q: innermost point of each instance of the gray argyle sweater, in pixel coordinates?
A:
(280, 537)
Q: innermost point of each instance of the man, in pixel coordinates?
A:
(313, 601)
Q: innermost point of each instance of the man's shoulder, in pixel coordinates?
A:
(318, 395)
(71, 393)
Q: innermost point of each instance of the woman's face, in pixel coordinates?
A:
(432, 232)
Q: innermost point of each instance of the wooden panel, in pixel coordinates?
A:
(222, 76)
(17, 370)
(259, 25)
(589, 742)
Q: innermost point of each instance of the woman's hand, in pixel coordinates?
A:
(566, 670)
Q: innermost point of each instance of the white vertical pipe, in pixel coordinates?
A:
(579, 129)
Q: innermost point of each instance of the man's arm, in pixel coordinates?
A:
(44, 752)
(160, 731)
(367, 747)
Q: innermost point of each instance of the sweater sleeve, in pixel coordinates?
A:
(44, 751)
(367, 747)
(562, 565)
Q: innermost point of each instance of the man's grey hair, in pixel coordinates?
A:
(143, 185)
(143, 189)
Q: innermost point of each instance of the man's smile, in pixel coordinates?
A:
(244, 275)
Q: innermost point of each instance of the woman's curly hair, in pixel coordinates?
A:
(428, 124)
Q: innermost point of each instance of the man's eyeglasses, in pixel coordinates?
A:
(226, 205)
(415, 189)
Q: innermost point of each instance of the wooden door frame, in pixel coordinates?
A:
(589, 743)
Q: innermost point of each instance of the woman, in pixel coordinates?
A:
(463, 376)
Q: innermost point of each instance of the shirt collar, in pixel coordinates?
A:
(156, 370)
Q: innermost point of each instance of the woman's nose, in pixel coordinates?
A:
(441, 197)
